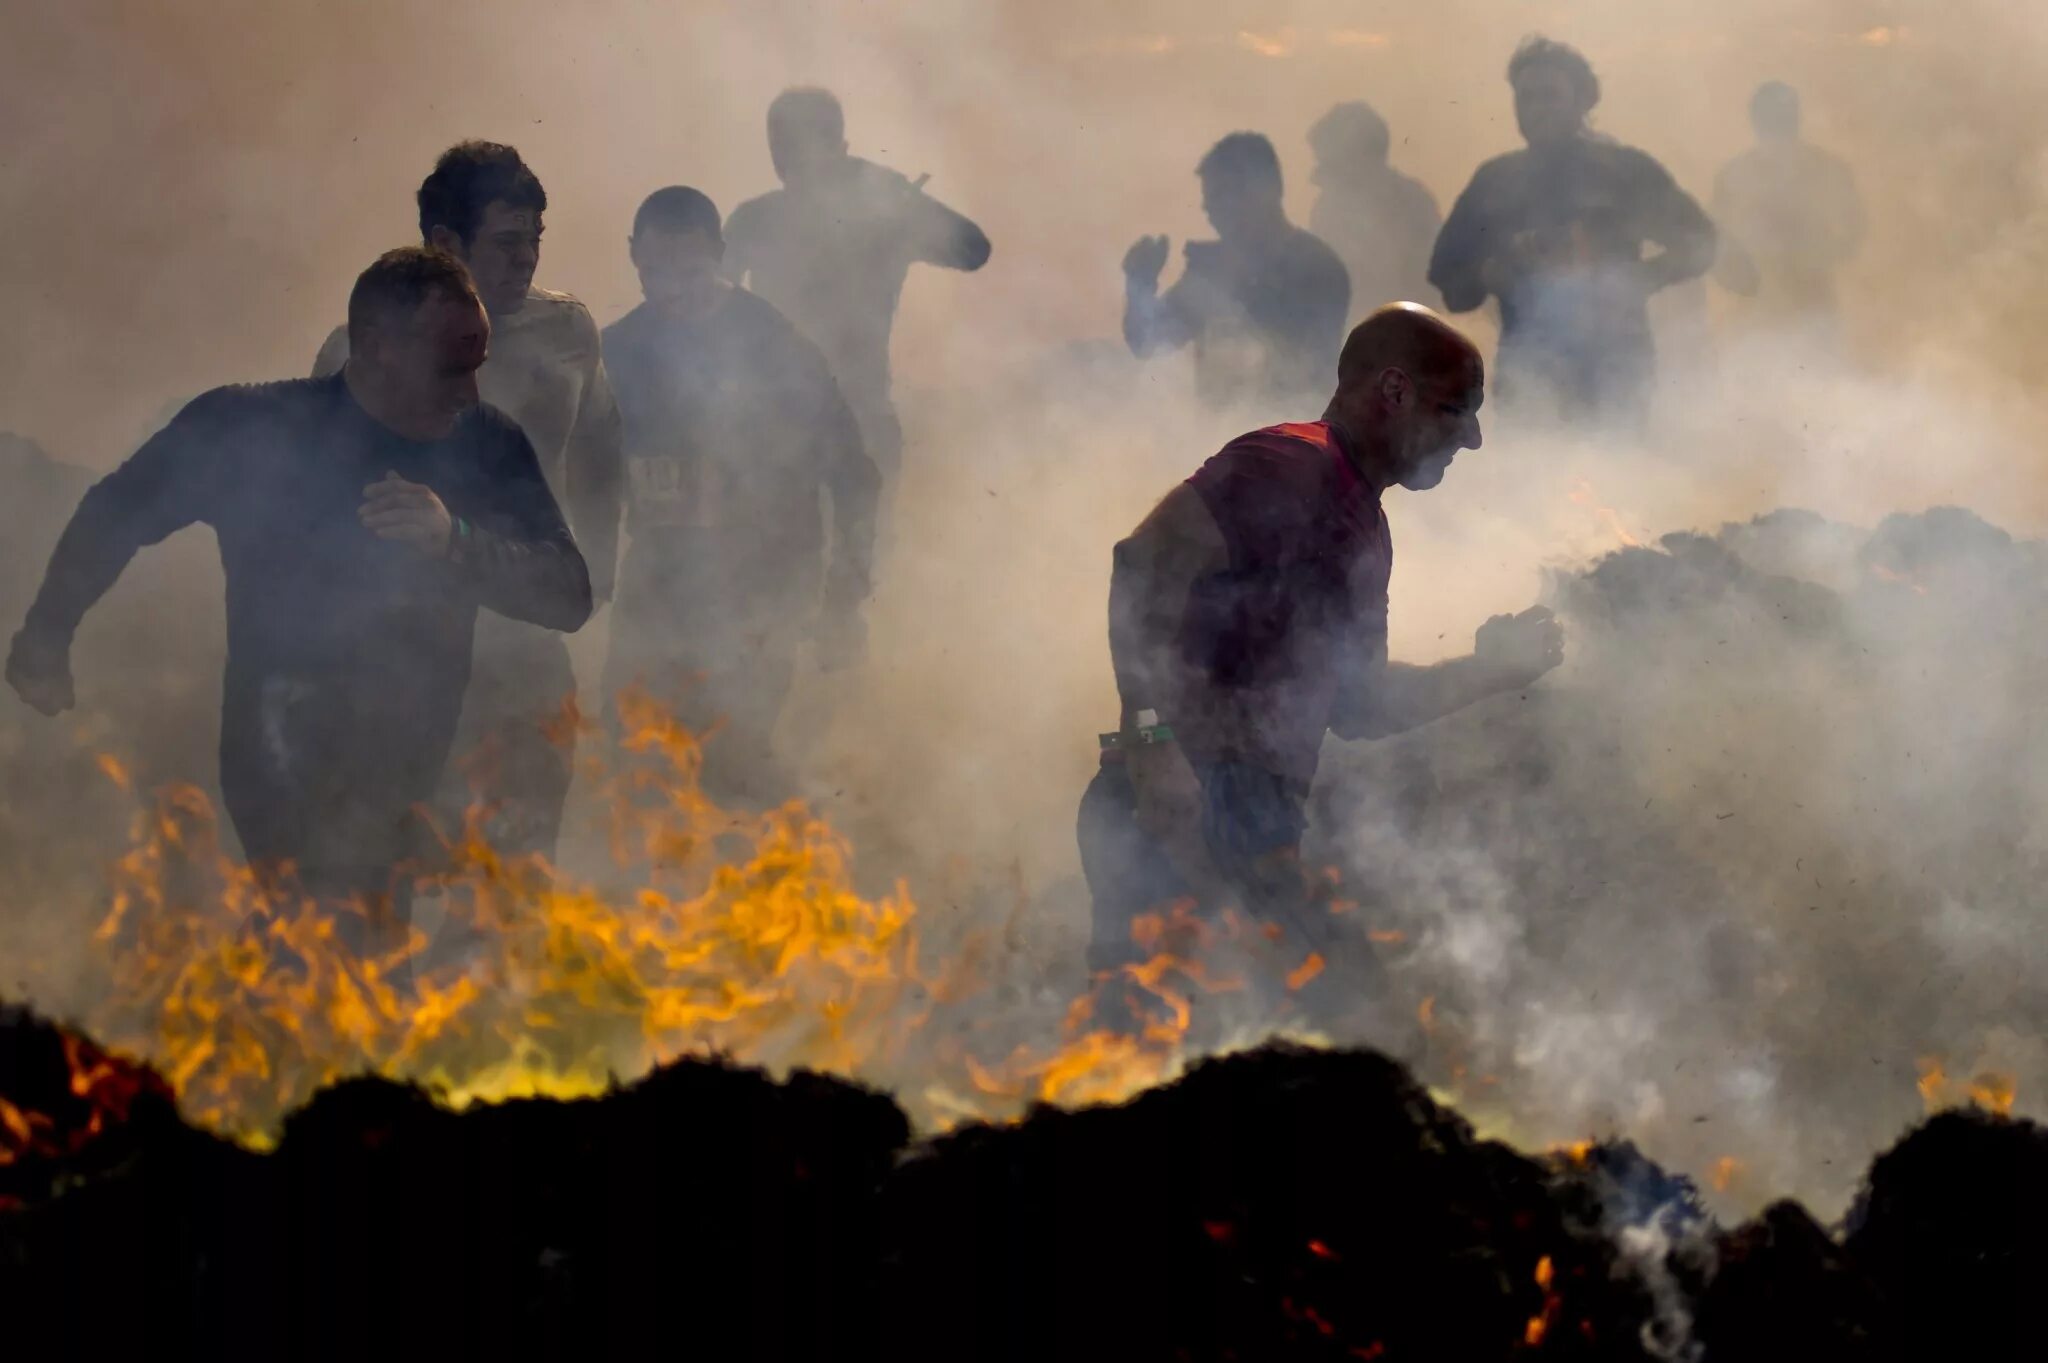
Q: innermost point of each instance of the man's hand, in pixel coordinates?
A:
(410, 513)
(842, 641)
(1517, 649)
(41, 675)
(1144, 262)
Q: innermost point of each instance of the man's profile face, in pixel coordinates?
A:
(1442, 420)
(502, 255)
(430, 359)
(678, 270)
(1235, 205)
(1547, 106)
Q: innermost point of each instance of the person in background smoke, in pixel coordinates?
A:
(1557, 233)
(363, 518)
(483, 205)
(1264, 305)
(830, 250)
(1248, 617)
(1382, 224)
(734, 427)
(1790, 215)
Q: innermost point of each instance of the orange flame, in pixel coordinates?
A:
(737, 934)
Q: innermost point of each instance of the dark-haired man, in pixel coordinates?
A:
(831, 249)
(483, 205)
(363, 518)
(734, 428)
(1559, 233)
(1264, 305)
(1248, 618)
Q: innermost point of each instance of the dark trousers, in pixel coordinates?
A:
(1252, 822)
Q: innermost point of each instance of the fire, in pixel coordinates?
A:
(1726, 1170)
(726, 933)
(1582, 495)
(1993, 1092)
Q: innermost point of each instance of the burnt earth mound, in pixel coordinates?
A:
(1280, 1203)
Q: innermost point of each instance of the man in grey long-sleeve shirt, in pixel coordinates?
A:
(363, 518)
(483, 205)
(1557, 233)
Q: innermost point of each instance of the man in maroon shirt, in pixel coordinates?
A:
(1248, 616)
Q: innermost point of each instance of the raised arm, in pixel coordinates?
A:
(940, 236)
(520, 557)
(168, 484)
(1154, 325)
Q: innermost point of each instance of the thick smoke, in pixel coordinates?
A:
(189, 196)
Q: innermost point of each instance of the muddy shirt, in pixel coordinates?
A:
(1570, 224)
(547, 373)
(347, 655)
(734, 431)
(1265, 323)
(1301, 609)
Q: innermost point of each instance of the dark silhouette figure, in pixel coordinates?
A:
(734, 429)
(830, 251)
(1382, 224)
(1558, 234)
(1789, 213)
(1263, 305)
(1248, 618)
(363, 518)
(483, 205)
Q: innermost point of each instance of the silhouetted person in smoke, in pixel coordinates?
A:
(484, 206)
(1789, 213)
(1264, 305)
(1382, 224)
(734, 427)
(831, 248)
(1558, 234)
(362, 518)
(1248, 617)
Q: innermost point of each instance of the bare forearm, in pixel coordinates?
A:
(1405, 696)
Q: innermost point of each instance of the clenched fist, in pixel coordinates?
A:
(1520, 648)
(410, 513)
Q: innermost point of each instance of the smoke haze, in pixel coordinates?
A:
(190, 192)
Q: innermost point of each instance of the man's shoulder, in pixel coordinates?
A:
(559, 315)
(756, 212)
(249, 400)
(495, 427)
(1632, 163)
(1294, 452)
(1311, 254)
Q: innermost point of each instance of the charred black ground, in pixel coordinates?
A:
(1279, 1203)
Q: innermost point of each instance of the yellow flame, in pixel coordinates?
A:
(736, 934)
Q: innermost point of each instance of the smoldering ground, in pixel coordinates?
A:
(1605, 962)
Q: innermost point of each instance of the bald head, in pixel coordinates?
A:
(1411, 338)
(1409, 386)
